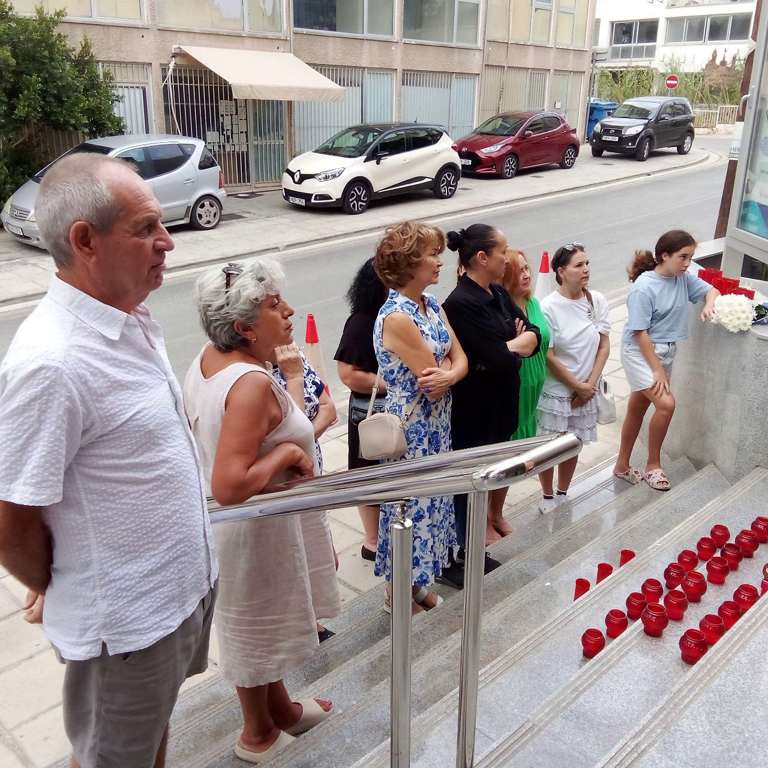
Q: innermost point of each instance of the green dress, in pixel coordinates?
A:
(533, 371)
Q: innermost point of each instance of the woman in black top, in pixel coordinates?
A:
(495, 334)
(357, 367)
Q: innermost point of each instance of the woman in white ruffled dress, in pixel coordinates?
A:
(278, 575)
(579, 348)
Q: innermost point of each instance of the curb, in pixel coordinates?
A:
(6, 304)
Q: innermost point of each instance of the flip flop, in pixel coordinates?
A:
(257, 758)
(657, 479)
(632, 476)
(418, 598)
(312, 714)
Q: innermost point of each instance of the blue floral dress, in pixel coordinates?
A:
(428, 431)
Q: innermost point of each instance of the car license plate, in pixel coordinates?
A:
(464, 161)
(15, 230)
(610, 138)
(297, 200)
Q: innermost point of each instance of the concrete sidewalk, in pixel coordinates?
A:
(31, 727)
(265, 223)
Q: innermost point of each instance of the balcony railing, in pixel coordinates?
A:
(632, 51)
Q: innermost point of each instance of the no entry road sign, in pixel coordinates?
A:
(672, 81)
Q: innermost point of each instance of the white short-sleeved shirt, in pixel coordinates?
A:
(92, 428)
(576, 328)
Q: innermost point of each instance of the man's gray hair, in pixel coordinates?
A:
(75, 189)
(221, 307)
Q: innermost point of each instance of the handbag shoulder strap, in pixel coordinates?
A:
(588, 294)
(374, 392)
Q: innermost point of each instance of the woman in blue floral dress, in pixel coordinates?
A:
(420, 360)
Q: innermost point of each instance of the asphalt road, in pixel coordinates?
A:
(610, 222)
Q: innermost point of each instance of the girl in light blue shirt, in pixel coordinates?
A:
(657, 319)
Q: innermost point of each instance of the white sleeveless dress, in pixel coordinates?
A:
(276, 576)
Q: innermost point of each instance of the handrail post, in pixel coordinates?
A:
(401, 535)
(470, 639)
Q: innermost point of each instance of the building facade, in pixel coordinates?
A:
(684, 34)
(451, 62)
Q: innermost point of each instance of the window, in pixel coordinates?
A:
(498, 20)
(421, 138)
(542, 21)
(123, 10)
(551, 123)
(207, 160)
(260, 16)
(167, 158)
(392, 144)
(356, 17)
(442, 21)
(712, 29)
(536, 125)
(679, 109)
(351, 142)
(572, 23)
(633, 39)
(139, 160)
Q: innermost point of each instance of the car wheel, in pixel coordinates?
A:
(569, 157)
(596, 151)
(446, 183)
(357, 198)
(509, 167)
(206, 213)
(685, 147)
(643, 150)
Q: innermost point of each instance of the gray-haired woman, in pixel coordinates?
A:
(277, 575)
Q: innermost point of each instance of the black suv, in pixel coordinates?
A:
(642, 124)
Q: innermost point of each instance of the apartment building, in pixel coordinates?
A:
(260, 80)
(688, 32)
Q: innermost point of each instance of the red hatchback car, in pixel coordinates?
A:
(506, 143)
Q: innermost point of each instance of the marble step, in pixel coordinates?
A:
(360, 687)
(363, 625)
(531, 621)
(716, 714)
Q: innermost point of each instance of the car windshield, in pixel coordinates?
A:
(501, 125)
(85, 147)
(351, 142)
(628, 109)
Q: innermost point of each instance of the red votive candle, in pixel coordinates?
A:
(747, 542)
(694, 585)
(729, 612)
(745, 596)
(705, 548)
(581, 588)
(636, 603)
(760, 529)
(676, 604)
(732, 553)
(717, 570)
(654, 619)
(712, 627)
(625, 556)
(693, 646)
(688, 559)
(604, 570)
(652, 590)
(720, 534)
(592, 642)
(616, 622)
(674, 574)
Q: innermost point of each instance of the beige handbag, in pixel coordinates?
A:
(381, 434)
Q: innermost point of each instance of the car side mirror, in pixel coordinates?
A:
(380, 156)
(663, 118)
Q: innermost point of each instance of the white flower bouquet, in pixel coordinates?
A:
(734, 312)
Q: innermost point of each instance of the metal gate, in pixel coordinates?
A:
(443, 98)
(566, 94)
(368, 98)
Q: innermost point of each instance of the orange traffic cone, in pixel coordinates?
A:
(312, 349)
(545, 282)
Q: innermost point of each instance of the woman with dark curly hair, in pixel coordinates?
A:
(420, 360)
(357, 366)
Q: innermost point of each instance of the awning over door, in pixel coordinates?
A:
(268, 75)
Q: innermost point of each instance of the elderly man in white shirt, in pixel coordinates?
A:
(102, 505)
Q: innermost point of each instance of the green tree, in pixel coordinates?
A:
(45, 84)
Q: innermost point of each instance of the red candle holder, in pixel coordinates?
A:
(616, 622)
(674, 574)
(592, 642)
(636, 603)
(747, 542)
(652, 590)
(625, 556)
(676, 604)
(760, 529)
(693, 646)
(688, 559)
(694, 585)
(654, 619)
(729, 612)
(732, 553)
(712, 627)
(720, 534)
(705, 548)
(745, 596)
(604, 570)
(581, 588)
(717, 570)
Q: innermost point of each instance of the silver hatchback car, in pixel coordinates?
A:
(182, 172)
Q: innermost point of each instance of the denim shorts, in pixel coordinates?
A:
(636, 369)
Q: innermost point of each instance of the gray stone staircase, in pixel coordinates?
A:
(540, 701)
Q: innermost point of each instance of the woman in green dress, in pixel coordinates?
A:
(533, 370)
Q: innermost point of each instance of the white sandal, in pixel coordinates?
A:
(257, 758)
(312, 714)
(657, 479)
(633, 476)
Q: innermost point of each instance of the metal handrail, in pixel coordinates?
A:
(440, 475)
